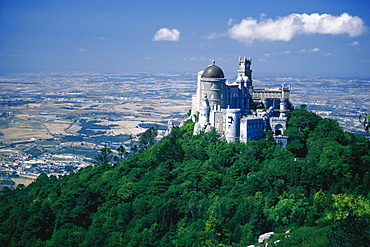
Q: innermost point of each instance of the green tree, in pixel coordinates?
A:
(199, 190)
(122, 153)
(333, 167)
(305, 236)
(188, 128)
(300, 124)
(328, 129)
(147, 139)
(364, 119)
(351, 219)
(105, 157)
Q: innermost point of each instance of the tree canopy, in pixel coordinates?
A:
(201, 191)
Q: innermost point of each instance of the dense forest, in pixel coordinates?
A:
(201, 191)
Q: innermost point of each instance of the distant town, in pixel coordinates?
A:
(54, 123)
(25, 168)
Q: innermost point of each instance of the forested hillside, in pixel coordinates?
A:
(199, 191)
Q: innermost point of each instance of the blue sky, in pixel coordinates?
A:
(323, 38)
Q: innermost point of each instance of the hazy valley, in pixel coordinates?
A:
(79, 113)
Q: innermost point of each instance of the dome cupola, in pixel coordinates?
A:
(213, 71)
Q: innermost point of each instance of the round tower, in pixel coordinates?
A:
(212, 83)
(232, 124)
(204, 111)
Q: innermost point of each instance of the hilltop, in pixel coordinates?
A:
(201, 191)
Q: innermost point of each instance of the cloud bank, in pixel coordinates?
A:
(287, 27)
(165, 34)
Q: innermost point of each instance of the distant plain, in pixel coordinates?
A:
(81, 112)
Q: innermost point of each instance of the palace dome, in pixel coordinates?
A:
(213, 71)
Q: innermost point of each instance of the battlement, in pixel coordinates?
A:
(245, 60)
(285, 87)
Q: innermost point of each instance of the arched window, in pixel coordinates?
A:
(279, 130)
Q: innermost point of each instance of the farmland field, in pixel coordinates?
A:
(87, 111)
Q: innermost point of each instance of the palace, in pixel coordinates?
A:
(236, 109)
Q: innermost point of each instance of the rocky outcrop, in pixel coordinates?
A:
(265, 236)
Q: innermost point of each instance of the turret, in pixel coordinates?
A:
(232, 124)
(245, 71)
(204, 110)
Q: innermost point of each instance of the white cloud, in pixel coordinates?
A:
(309, 51)
(81, 50)
(230, 21)
(215, 35)
(328, 54)
(166, 34)
(314, 50)
(287, 27)
(354, 43)
(198, 59)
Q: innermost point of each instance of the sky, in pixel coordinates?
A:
(285, 38)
